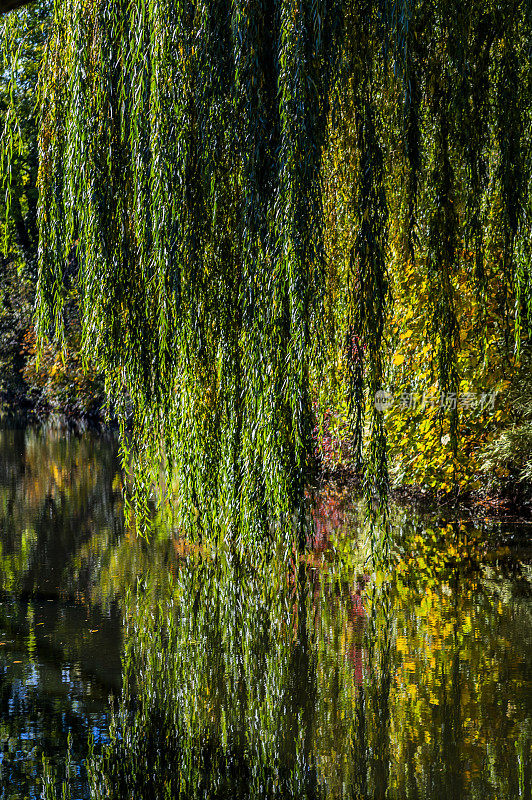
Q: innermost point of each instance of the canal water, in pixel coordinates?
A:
(135, 669)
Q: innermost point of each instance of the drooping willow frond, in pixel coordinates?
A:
(181, 153)
(182, 162)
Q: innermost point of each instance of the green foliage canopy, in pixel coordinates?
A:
(184, 148)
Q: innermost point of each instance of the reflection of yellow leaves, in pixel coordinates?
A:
(448, 629)
(398, 359)
(467, 626)
(402, 645)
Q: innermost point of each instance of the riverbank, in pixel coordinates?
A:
(511, 502)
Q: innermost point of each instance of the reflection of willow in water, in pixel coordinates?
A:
(229, 691)
(461, 695)
(261, 680)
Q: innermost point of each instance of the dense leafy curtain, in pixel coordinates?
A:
(181, 150)
(186, 151)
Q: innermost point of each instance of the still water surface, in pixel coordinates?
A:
(316, 679)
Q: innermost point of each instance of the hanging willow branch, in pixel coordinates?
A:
(181, 160)
(180, 155)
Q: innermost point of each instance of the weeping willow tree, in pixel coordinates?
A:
(188, 152)
(180, 157)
